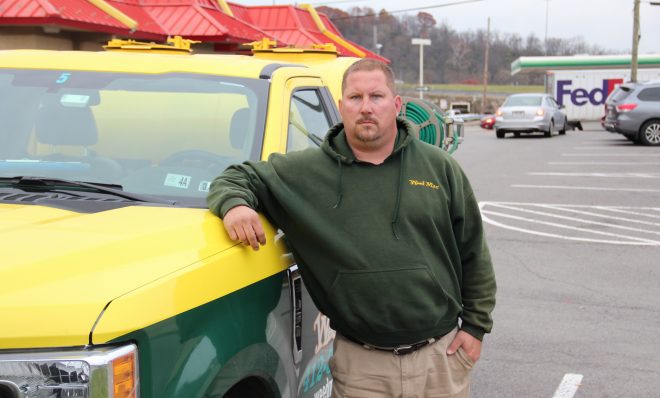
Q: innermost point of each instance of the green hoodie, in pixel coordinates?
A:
(392, 253)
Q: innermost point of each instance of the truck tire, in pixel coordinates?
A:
(499, 133)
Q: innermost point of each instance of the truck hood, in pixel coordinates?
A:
(60, 269)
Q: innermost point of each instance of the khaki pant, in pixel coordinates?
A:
(359, 372)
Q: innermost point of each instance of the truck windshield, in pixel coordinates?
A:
(165, 135)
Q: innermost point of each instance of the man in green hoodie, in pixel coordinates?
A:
(389, 240)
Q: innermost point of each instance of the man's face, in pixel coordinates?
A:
(369, 108)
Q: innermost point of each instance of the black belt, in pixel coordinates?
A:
(398, 350)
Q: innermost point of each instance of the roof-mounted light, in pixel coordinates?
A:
(268, 49)
(176, 45)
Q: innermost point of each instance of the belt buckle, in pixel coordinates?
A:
(403, 349)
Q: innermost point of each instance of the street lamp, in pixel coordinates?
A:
(421, 43)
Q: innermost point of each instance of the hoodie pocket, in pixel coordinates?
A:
(387, 301)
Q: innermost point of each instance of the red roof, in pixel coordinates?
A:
(75, 14)
(194, 19)
(200, 20)
(295, 26)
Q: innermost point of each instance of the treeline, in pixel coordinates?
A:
(453, 57)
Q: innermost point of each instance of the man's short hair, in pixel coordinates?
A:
(370, 64)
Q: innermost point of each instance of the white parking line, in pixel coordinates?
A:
(584, 188)
(635, 241)
(606, 216)
(582, 220)
(606, 175)
(655, 155)
(580, 206)
(609, 149)
(594, 147)
(593, 227)
(604, 163)
(568, 386)
(621, 210)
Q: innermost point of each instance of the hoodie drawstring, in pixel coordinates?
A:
(397, 204)
(339, 194)
(395, 218)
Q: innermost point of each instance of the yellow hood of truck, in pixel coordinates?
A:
(60, 269)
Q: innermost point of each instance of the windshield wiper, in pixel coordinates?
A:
(51, 184)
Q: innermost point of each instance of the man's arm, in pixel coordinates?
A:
(478, 286)
(233, 197)
(478, 281)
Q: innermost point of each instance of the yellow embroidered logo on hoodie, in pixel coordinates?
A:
(425, 184)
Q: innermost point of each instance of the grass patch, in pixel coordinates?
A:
(478, 88)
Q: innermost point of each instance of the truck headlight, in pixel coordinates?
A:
(108, 372)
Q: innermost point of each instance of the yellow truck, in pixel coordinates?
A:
(116, 279)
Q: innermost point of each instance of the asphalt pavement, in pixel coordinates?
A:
(573, 225)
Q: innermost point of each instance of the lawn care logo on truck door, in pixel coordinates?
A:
(580, 96)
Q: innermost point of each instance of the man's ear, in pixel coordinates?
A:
(341, 108)
(398, 103)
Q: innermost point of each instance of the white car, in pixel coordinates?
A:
(529, 113)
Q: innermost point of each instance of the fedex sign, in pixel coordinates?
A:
(581, 96)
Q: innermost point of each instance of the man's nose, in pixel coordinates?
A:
(365, 106)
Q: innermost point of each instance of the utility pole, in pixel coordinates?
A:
(484, 98)
(635, 43)
(545, 40)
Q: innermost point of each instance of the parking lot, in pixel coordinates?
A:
(573, 224)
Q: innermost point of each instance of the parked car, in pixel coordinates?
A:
(529, 113)
(487, 122)
(457, 114)
(633, 110)
(606, 106)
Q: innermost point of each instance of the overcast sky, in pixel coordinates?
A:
(606, 23)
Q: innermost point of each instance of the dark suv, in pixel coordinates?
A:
(633, 110)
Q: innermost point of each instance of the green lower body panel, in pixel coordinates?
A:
(205, 351)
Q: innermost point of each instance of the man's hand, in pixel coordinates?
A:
(471, 345)
(242, 223)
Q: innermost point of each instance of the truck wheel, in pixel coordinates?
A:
(550, 128)
(649, 134)
(499, 133)
(250, 388)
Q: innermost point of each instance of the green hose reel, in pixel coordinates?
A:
(432, 126)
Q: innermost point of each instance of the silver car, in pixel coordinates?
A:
(633, 110)
(529, 113)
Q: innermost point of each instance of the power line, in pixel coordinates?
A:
(411, 9)
(323, 3)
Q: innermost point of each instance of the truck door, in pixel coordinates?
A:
(311, 112)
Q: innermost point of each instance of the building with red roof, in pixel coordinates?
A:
(219, 26)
